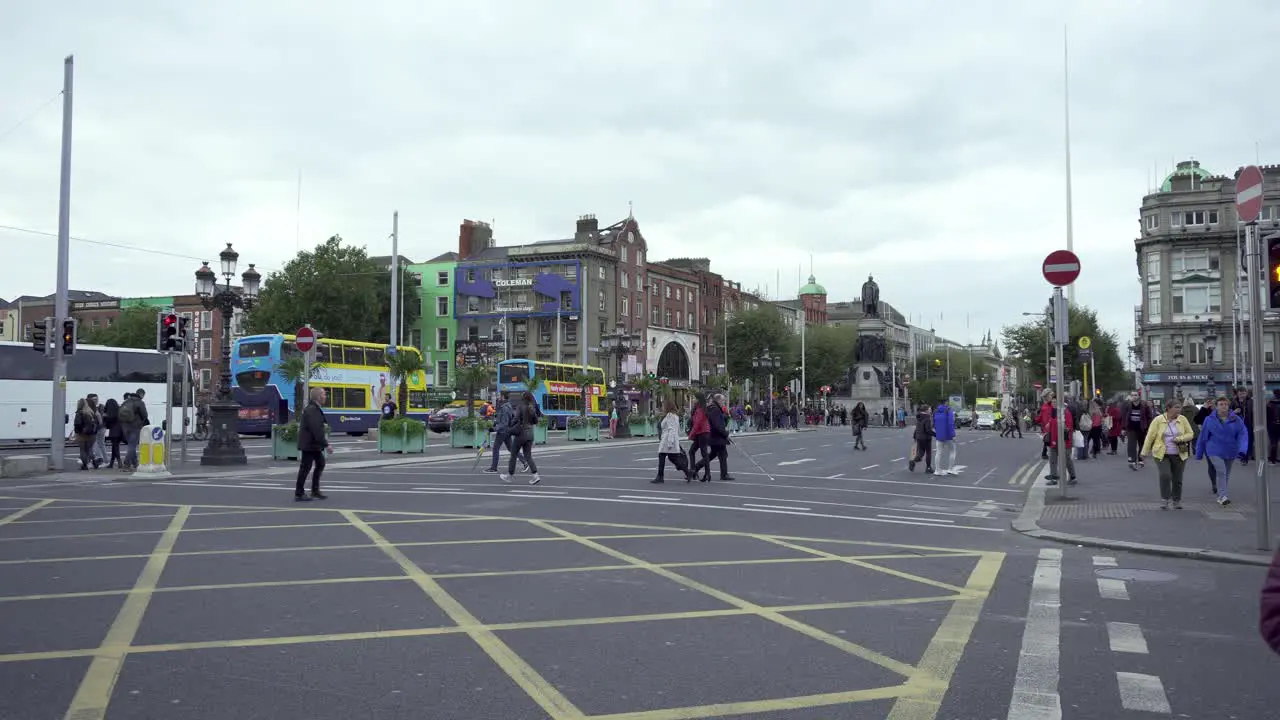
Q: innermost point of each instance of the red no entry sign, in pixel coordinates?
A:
(1061, 268)
(1249, 194)
(305, 339)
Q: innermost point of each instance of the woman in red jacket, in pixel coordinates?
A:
(1269, 617)
(1117, 427)
(700, 435)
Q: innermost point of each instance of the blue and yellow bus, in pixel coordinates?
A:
(354, 374)
(558, 398)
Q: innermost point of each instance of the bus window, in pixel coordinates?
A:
(258, 348)
(515, 372)
(100, 366)
(322, 353)
(355, 399)
(597, 376)
(375, 357)
(353, 356)
(138, 367)
(22, 363)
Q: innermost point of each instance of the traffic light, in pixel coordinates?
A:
(40, 335)
(167, 332)
(184, 324)
(1273, 272)
(69, 327)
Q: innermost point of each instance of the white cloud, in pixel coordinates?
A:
(910, 140)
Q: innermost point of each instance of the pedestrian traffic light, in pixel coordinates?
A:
(184, 324)
(40, 335)
(168, 332)
(69, 327)
(1273, 272)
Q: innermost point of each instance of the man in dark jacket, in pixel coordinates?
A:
(313, 444)
(717, 418)
(502, 430)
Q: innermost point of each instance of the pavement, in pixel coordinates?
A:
(822, 583)
(1116, 507)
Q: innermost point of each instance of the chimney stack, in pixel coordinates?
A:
(473, 237)
(588, 226)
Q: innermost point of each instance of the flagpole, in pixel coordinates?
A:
(804, 320)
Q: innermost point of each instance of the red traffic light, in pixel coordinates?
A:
(170, 320)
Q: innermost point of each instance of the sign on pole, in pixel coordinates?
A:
(305, 339)
(1085, 342)
(1061, 268)
(1249, 194)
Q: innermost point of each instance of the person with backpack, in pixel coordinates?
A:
(525, 416)
(86, 427)
(944, 429)
(502, 429)
(133, 417)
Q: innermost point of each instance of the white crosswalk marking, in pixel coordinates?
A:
(1103, 561)
(1112, 589)
(1127, 638)
(1143, 692)
(1035, 689)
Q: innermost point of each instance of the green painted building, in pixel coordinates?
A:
(436, 324)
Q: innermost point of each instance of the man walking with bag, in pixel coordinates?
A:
(313, 445)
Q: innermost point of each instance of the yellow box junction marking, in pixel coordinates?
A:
(90, 701)
(14, 517)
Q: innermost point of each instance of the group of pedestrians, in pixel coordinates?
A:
(99, 424)
(934, 425)
(708, 435)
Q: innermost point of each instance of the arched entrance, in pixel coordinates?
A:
(673, 363)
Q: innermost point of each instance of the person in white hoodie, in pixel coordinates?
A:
(669, 443)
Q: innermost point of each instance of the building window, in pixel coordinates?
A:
(666, 290)
(625, 279)
(653, 289)
(622, 253)
(602, 272)
(1152, 221)
(601, 301)
(640, 309)
(639, 257)
(471, 276)
(442, 278)
(206, 348)
(206, 320)
(1197, 299)
(566, 300)
(666, 318)
(677, 322)
(442, 338)
(1153, 303)
(544, 331)
(624, 307)
(206, 379)
(1194, 217)
(1187, 261)
(442, 372)
(653, 315)
(473, 304)
(571, 272)
(1153, 267)
(520, 329)
(677, 293)
(442, 306)
(1196, 354)
(1270, 212)
(571, 331)
(1153, 351)
(689, 317)
(473, 332)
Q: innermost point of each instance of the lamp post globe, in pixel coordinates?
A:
(224, 446)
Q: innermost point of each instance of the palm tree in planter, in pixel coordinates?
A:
(402, 434)
(583, 426)
(642, 422)
(284, 436)
(533, 384)
(470, 430)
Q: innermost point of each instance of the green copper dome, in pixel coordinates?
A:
(1186, 168)
(813, 288)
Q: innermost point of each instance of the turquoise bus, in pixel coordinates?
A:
(558, 398)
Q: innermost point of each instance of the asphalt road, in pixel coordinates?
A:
(822, 583)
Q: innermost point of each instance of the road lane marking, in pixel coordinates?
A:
(649, 497)
(1103, 561)
(521, 673)
(871, 466)
(1126, 637)
(795, 462)
(925, 519)
(836, 476)
(1035, 689)
(1112, 589)
(530, 491)
(1143, 692)
(94, 694)
(777, 507)
(984, 477)
(24, 512)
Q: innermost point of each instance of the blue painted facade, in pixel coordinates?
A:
(548, 288)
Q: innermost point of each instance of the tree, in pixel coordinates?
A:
(649, 388)
(336, 288)
(1026, 341)
(751, 332)
(293, 369)
(134, 328)
(828, 356)
(583, 382)
(401, 366)
(469, 380)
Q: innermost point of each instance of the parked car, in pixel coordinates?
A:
(441, 420)
(986, 420)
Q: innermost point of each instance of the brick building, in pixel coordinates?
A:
(672, 337)
(206, 334)
(92, 308)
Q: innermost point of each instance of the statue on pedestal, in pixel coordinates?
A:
(870, 349)
(871, 297)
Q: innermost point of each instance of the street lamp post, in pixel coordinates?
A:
(224, 446)
(1210, 345)
(621, 343)
(767, 364)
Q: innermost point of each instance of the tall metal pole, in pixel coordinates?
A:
(186, 396)
(1066, 118)
(58, 426)
(1257, 281)
(395, 279)
(168, 406)
(1063, 439)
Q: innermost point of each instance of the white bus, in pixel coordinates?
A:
(26, 386)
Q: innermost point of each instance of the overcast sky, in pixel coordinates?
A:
(919, 141)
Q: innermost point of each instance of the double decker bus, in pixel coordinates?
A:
(354, 374)
(26, 385)
(558, 398)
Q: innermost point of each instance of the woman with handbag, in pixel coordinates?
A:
(526, 416)
(669, 443)
(1168, 441)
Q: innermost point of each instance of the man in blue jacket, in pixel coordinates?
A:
(944, 428)
(1224, 437)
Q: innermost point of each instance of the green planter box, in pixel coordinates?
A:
(460, 438)
(539, 434)
(643, 429)
(403, 442)
(282, 449)
(587, 433)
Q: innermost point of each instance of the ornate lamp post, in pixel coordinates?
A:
(224, 446)
(766, 363)
(621, 343)
(1210, 345)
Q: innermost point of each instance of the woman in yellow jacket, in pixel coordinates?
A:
(1169, 443)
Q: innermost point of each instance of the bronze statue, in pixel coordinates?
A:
(871, 297)
(870, 349)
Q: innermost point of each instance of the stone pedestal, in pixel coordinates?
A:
(866, 389)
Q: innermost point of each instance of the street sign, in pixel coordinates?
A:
(1249, 194)
(1084, 342)
(1084, 355)
(1061, 268)
(1037, 386)
(305, 339)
